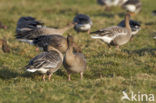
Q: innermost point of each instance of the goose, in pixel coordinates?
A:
(82, 23)
(73, 62)
(110, 3)
(115, 35)
(132, 6)
(57, 41)
(135, 26)
(46, 62)
(29, 28)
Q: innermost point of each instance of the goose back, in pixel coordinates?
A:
(45, 62)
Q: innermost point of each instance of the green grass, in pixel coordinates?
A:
(109, 72)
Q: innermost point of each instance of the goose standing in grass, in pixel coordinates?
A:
(57, 41)
(110, 3)
(132, 6)
(82, 23)
(115, 35)
(73, 62)
(135, 26)
(29, 28)
(46, 62)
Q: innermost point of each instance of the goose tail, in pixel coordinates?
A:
(31, 70)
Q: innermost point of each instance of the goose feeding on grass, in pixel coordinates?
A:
(57, 41)
(135, 26)
(110, 3)
(29, 28)
(132, 6)
(46, 62)
(73, 62)
(82, 23)
(115, 35)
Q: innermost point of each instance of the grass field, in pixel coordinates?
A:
(109, 72)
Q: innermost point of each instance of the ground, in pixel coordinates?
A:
(109, 71)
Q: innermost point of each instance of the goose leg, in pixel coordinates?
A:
(81, 74)
(89, 31)
(37, 49)
(43, 77)
(49, 77)
(69, 75)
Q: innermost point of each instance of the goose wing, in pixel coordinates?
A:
(45, 40)
(111, 31)
(46, 60)
(27, 26)
(132, 2)
(82, 19)
(28, 22)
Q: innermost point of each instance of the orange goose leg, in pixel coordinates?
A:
(44, 77)
(69, 75)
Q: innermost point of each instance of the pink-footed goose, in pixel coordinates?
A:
(46, 62)
(115, 35)
(73, 62)
(82, 23)
(57, 41)
(29, 28)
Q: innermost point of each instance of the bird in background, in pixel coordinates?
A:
(115, 35)
(29, 28)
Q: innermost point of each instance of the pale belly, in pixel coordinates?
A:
(83, 27)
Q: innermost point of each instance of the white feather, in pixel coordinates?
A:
(41, 70)
(83, 27)
(135, 32)
(104, 38)
(111, 2)
(131, 8)
(31, 70)
(27, 41)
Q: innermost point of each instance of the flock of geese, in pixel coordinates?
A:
(58, 50)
